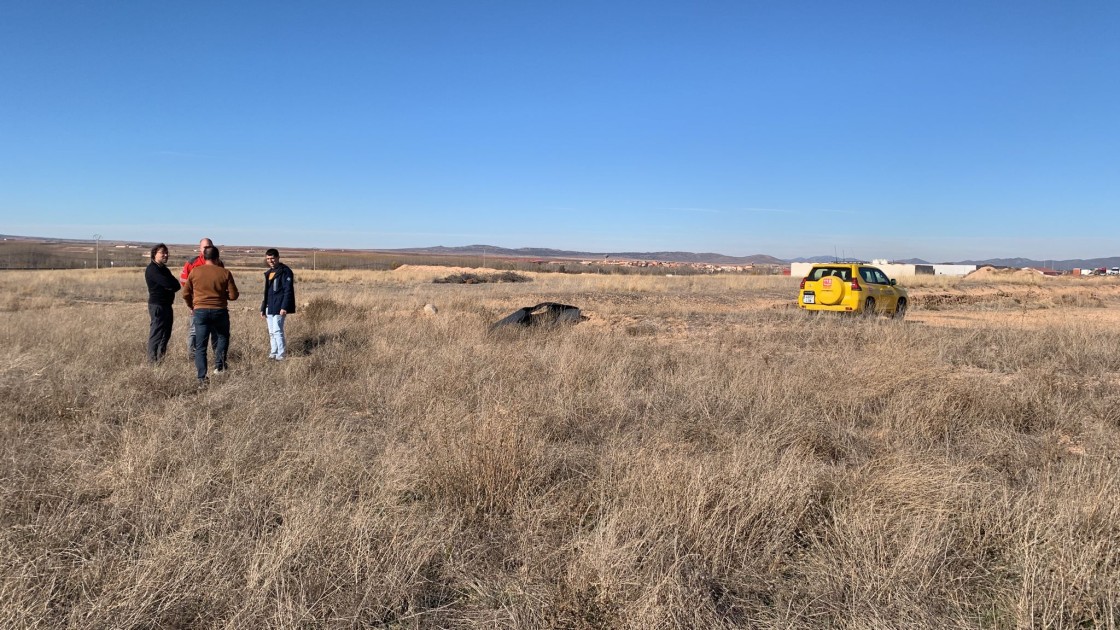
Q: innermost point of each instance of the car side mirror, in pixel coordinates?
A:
(893, 282)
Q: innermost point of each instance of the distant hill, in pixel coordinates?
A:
(684, 257)
(825, 259)
(541, 252)
(1061, 265)
(46, 239)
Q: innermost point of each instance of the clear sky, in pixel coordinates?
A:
(942, 130)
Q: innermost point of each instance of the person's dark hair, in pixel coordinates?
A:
(272, 251)
(156, 249)
(210, 253)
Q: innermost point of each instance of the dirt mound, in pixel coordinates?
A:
(434, 269)
(985, 273)
(988, 272)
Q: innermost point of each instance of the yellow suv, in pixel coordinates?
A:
(851, 288)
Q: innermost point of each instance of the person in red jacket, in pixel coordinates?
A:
(207, 293)
(191, 264)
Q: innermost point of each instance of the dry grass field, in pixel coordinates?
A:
(697, 454)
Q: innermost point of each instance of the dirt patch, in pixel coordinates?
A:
(436, 269)
(482, 278)
(1080, 300)
(939, 301)
(1022, 319)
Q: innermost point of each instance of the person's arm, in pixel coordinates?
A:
(150, 276)
(231, 292)
(188, 294)
(264, 300)
(167, 281)
(186, 273)
(288, 286)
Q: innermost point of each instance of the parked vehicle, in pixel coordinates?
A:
(852, 288)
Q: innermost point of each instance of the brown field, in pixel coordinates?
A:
(43, 254)
(698, 454)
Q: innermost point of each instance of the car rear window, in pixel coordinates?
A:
(844, 273)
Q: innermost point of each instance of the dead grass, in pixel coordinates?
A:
(697, 454)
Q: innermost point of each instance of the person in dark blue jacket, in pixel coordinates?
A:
(279, 301)
(161, 296)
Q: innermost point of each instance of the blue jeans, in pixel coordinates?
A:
(275, 336)
(207, 322)
(190, 341)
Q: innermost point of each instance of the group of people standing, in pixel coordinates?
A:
(208, 288)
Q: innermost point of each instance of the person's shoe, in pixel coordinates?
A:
(203, 382)
(220, 372)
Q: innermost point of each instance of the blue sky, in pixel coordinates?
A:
(940, 130)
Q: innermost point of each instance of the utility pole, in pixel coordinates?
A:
(96, 251)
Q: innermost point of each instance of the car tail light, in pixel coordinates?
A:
(803, 282)
(855, 284)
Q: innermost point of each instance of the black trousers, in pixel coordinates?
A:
(159, 332)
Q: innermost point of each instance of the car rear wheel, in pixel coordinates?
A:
(868, 307)
(900, 309)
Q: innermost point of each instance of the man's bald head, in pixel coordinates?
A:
(203, 244)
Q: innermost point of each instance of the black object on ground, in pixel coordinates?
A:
(544, 313)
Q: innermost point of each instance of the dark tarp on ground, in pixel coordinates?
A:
(543, 313)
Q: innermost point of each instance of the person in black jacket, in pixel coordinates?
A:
(279, 301)
(161, 296)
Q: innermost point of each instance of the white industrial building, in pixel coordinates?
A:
(894, 270)
(953, 270)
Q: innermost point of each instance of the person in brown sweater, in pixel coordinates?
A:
(191, 264)
(207, 292)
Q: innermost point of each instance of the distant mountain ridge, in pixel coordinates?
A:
(825, 259)
(722, 259)
(543, 252)
(1060, 265)
(676, 256)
